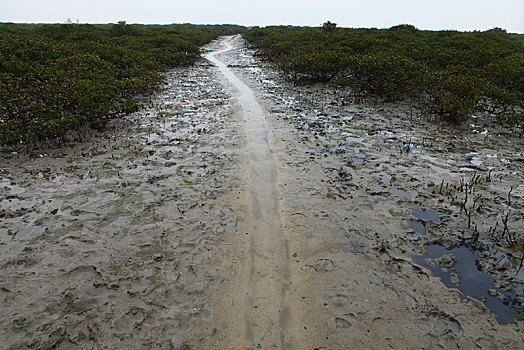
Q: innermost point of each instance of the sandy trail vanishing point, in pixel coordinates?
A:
(239, 212)
(258, 296)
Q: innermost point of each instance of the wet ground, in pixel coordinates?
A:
(118, 241)
(238, 211)
(362, 205)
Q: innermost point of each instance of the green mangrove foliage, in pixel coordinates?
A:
(448, 73)
(54, 78)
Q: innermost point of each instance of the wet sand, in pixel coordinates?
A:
(240, 212)
(257, 296)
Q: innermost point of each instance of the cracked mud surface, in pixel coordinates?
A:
(136, 238)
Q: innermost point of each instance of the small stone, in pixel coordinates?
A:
(447, 260)
(455, 279)
(158, 257)
(98, 284)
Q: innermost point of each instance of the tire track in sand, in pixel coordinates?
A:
(258, 313)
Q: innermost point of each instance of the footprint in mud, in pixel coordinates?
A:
(343, 322)
(22, 259)
(325, 265)
(130, 320)
(83, 273)
(442, 324)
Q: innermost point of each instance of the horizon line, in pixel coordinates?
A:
(261, 25)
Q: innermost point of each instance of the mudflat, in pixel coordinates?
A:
(240, 212)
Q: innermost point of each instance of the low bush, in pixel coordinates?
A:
(54, 78)
(453, 74)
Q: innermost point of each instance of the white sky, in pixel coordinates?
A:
(436, 14)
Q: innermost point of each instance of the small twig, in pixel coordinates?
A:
(510, 239)
(477, 198)
(489, 175)
(476, 233)
(521, 263)
(465, 199)
(472, 182)
(493, 230)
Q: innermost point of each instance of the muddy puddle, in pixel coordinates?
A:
(421, 216)
(426, 214)
(418, 226)
(400, 193)
(458, 268)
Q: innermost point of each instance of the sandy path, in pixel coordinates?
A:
(259, 293)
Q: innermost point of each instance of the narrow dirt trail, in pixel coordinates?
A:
(259, 293)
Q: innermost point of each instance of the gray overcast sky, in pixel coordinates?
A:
(436, 14)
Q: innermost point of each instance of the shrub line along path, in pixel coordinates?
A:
(240, 212)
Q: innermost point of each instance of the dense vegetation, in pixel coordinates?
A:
(54, 78)
(447, 73)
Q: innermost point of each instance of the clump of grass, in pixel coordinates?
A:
(81, 337)
(442, 191)
(185, 346)
(394, 213)
(518, 247)
(80, 305)
(519, 314)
